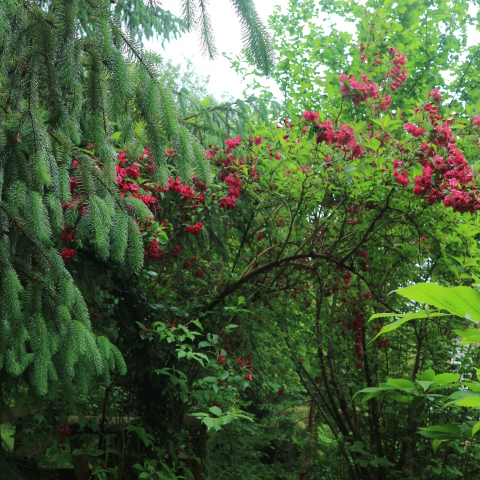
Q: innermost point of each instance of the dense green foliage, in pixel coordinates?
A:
(194, 289)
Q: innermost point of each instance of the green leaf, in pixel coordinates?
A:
(471, 402)
(445, 379)
(424, 384)
(400, 384)
(436, 443)
(463, 302)
(468, 336)
(371, 390)
(475, 428)
(216, 411)
(403, 318)
(446, 431)
(427, 375)
(374, 144)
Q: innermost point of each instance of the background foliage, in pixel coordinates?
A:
(203, 289)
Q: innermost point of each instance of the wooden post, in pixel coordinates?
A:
(80, 463)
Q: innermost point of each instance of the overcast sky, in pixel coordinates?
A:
(226, 26)
(228, 39)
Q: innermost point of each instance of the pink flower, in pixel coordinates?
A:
(133, 171)
(403, 178)
(64, 430)
(435, 94)
(414, 130)
(386, 102)
(67, 254)
(153, 251)
(73, 184)
(228, 203)
(194, 229)
(310, 116)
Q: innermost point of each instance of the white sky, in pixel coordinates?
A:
(223, 79)
(226, 27)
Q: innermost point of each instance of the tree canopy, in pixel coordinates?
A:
(263, 288)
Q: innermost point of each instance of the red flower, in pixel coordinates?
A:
(403, 178)
(248, 376)
(64, 430)
(122, 158)
(153, 251)
(367, 295)
(229, 203)
(133, 171)
(280, 392)
(386, 102)
(241, 361)
(194, 229)
(415, 131)
(67, 254)
(436, 95)
(310, 116)
(73, 184)
(68, 235)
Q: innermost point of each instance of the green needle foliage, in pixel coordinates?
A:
(70, 75)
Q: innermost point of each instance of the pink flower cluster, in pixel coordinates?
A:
(397, 76)
(194, 229)
(414, 130)
(435, 95)
(310, 116)
(67, 254)
(153, 251)
(447, 177)
(343, 138)
(360, 91)
(402, 178)
(232, 143)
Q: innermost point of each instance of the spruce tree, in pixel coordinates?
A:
(70, 74)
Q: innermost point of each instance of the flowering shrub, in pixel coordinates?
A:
(295, 243)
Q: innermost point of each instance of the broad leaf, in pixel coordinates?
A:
(463, 302)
